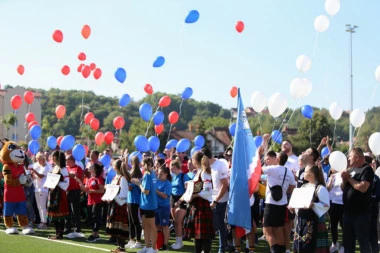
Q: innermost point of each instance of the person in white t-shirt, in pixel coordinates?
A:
(275, 209)
(39, 173)
(292, 162)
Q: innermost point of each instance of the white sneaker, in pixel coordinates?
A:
(143, 250)
(130, 244)
(151, 250)
(177, 245)
(136, 245)
(42, 226)
(262, 238)
(334, 247)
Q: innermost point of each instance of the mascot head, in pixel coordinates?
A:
(11, 152)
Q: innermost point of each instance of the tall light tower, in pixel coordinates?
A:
(351, 29)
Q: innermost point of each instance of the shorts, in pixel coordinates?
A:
(174, 199)
(274, 215)
(147, 213)
(18, 208)
(162, 216)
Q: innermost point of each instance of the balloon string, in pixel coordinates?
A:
(180, 107)
(81, 114)
(261, 127)
(315, 44)
(150, 121)
(311, 123)
(14, 125)
(170, 129)
(373, 95)
(334, 135)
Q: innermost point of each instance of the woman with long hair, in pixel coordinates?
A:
(148, 205)
(117, 218)
(58, 208)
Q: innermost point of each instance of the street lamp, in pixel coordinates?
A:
(351, 29)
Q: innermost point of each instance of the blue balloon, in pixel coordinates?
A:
(232, 129)
(171, 144)
(120, 75)
(35, 132)
(67, 142)
(276, 136)
(258, 140)
(105, 160)
(142, 143)
(52, 142)
(159, 62)
(154, 143)
(145, 111)
(79, 152)
(199, 141)
(33, 147)
(307, 111)
(192, 17)
(183, 145)
(193, 150)
(325, 152)
(124, 100)
(158, 118)
(134, 153)
(187, 93)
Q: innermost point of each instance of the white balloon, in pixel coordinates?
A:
(321, 23)
(357, 118)
(374, 143)
(377, 74)
(335, 111)
(300, 87)
(258, 101)
(303, 63)
(277, 104)
(338, 161)
(332, 6)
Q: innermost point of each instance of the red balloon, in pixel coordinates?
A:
(108, 138)
(159, 128)
(118, 122)
(148, 89)
(20, 69)
(239, 26)
(164, 101)
(16, 102)
(93, 66)
(29, 117)
(85, 148)
(173, 117)
(88, 117)
(60, 111)
(65, 70)
(32, 124)
(94, 124)
(29, 97)
(80, 67)
(234, 91)
(99, 138)
(59, 139)
(97, 73)
(82, 56)
(86, 71)
(86, 31)
(58, 36)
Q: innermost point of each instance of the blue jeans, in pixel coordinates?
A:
(356, 226)
(218, 215)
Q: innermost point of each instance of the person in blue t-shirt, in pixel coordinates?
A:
(134, 196)
(164, 191)
(148, 205)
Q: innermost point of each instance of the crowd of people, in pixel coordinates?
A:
(159, 193)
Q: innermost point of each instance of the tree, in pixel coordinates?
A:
(8, 120)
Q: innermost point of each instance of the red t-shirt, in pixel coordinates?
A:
(14, 193)
(185, 167)
(74, 185)
(93, 184)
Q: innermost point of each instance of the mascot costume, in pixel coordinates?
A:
(12, 157)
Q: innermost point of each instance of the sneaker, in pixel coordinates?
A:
(42, 226)
(143, 250)
(164, 247)
(262, 238)
(92, 238)
(137, 245)
(151, 250)
(177, 245)
(130, 244)
(334, 247)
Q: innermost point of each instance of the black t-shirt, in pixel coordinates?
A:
(300, 178)
(354, 201)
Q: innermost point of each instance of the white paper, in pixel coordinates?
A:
(120, 201)
(301, 197)
(189, 191)
(111, 192)
(52, 180)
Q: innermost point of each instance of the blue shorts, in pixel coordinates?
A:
(162, 216)
(11, 208)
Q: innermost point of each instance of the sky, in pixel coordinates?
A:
(209, 56)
